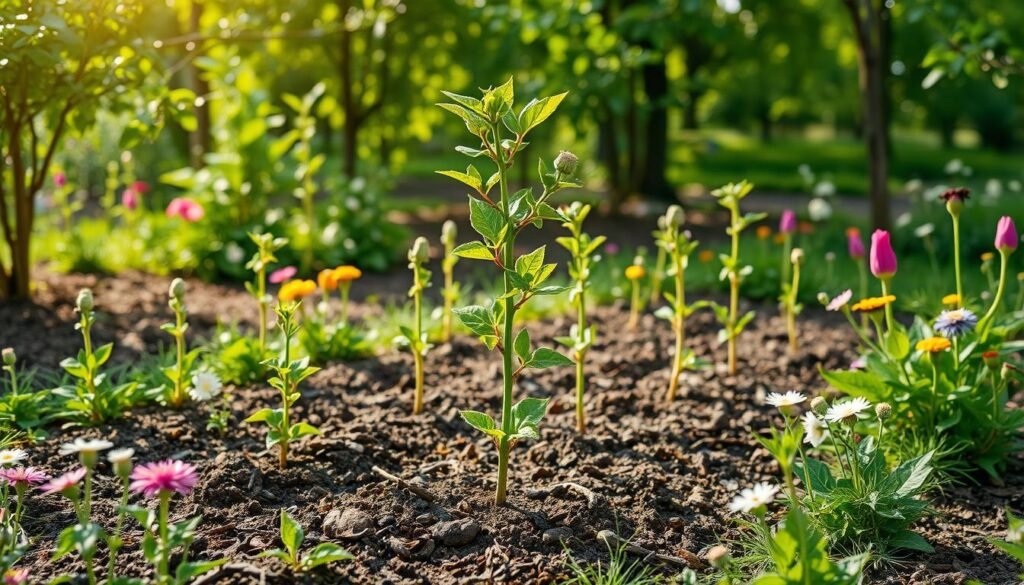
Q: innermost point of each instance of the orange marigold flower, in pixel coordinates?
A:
(326, 280)
(635, 272)
(873, 303)
(953, 299)
(934, 344)
(347, 273)
(294, 290)
(763, 232)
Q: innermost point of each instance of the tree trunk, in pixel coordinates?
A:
(871, 79)
(199, 141)
(653, 182)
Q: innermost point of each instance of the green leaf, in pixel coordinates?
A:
(292, 534)
(476, 318)
(474, 182)
(186, 572)
(325, 553)
(474, 251)
(911, 540)
(486, 220)
(857, 383)
(535, 112)
(522, 345)
(897, 344)
(482, 422)
(526, 416)
(505, 92)
(302, 429)
(545, 357)
(530, 265)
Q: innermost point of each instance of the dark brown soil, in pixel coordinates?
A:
(661, 473)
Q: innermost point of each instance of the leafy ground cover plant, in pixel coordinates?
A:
(291, 555)
(451, 291)
(733, 324)
(21, 406)
(620, 570)
(288, 374)
(678, 247)
(582, 249)
(502, 132)
(92, 398)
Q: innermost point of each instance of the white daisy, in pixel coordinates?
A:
(205, 386)
(815, 429)
(85, 446)
(847, 411)
(11, 456)
(120, 455)
(753, 498)
(785, 402)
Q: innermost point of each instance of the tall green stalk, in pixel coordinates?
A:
(266, 246)
(419, 254)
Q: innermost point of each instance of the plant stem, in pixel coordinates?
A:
(343, 288)
(288, 390)
(791, 310)
(935, 392)
(888, 307)
(163, 566)
(862, 268)
(508, 375)
(449, 294)
(956, 262)
(787, 250)
(114, 543)
(658, 276)
(417, 406)
(986, 322)
(678, 322)
(634, 305)
(261, 288)
(179, 337)
(734, 286)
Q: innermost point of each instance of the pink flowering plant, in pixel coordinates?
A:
(501, 132)
(92, 398)
(288, 374)
(161, 538)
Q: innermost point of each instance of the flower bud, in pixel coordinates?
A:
(121, 461)
(566, 163)
(796, 256)
(674, 217)
(9, 357)
(823, 298)
(819, 405)
(719, 557)
(991, 359)
(883, 410)
(420, 251)
(449, 233)
(954, 199)
(84, 301)
(177, 290)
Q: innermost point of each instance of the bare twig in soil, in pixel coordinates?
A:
(612, 540)
(421, 492)
(439, 464)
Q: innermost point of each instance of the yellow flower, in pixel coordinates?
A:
(933, 344)
(987, 257)
(326, 280)
(873, 303)
(347, 274)
(706, 256)
(635, 272)
(763, 232)
(953, 299)
(294, 290)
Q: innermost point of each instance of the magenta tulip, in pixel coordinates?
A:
(855, 244)
(130, 198)
(1006, 235)
(883, 258)
(787, 223)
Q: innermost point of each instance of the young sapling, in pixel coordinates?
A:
(791, 301)
(178, 374)
(450, 292)
(266, 246)
(582, 249)
(288, 374)
(733, 324)
(502, 132)
(292, 536)
(678, 247)
(419, 254)
(634, 274)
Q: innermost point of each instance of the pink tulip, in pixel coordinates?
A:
(282, 274)
(188, 209)
(787, 223)
(855, 244)
(140, 187)
(130, 198)
(883, 259)
(60, 179)
(1006, 235)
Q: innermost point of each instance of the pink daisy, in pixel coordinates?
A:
(23, 475)
(282, 274)
(840, 301)
(171, 476)
(64, 482)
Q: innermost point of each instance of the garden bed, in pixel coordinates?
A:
(661, 474)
